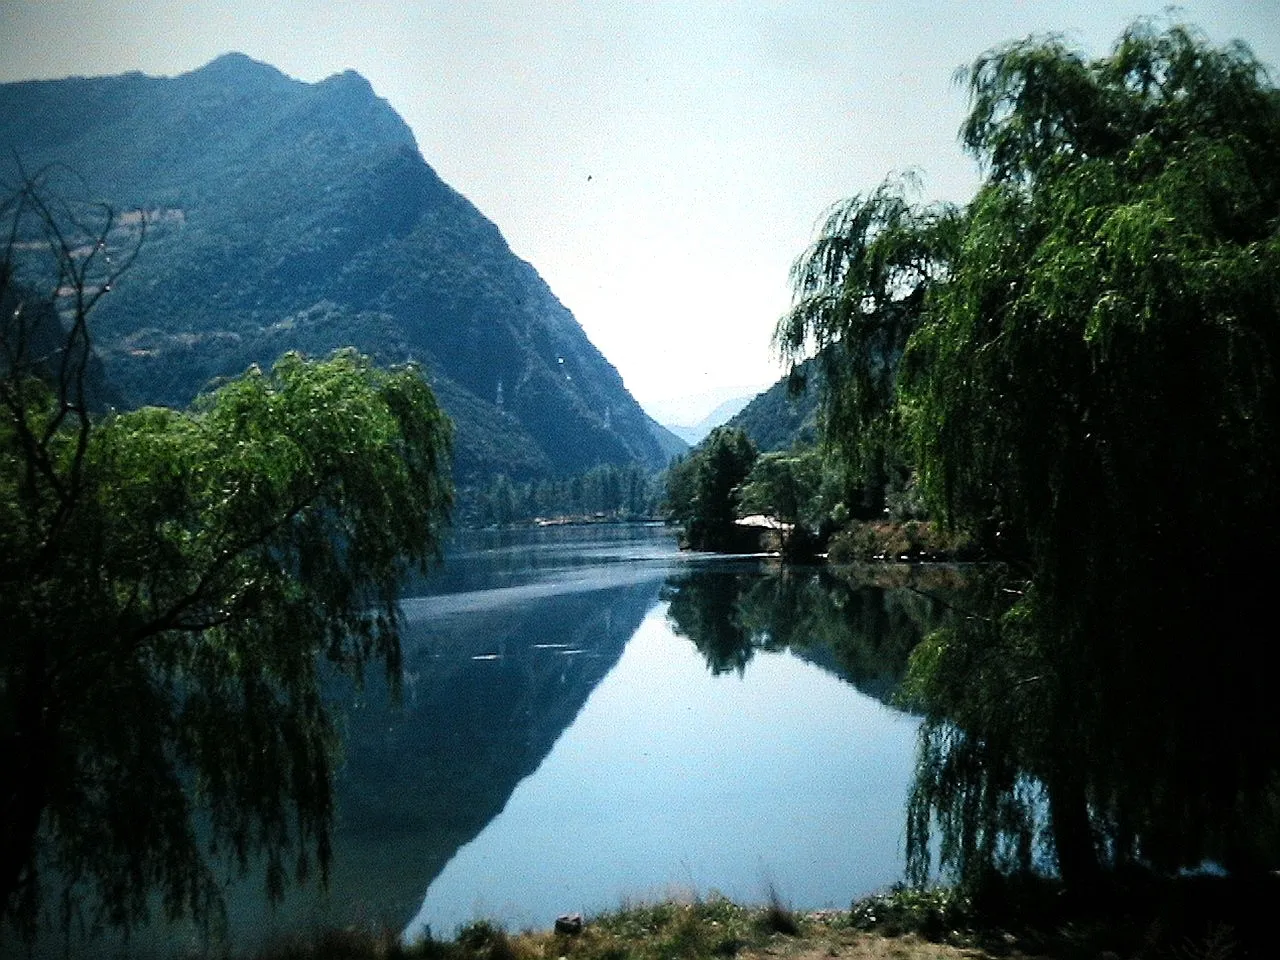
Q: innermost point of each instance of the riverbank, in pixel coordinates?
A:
(672, 930)
(1196, 919)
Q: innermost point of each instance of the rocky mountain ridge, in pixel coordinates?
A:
(283, 215)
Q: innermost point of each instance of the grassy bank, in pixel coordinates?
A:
(1188, 921)
(703, 928)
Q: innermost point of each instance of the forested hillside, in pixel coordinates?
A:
(784, 416)
(281, 215)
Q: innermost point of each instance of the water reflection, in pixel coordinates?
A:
(859, 630)
(766, 768)
(590, 716)
(498, 661)
(673, 778)
(1138, 749)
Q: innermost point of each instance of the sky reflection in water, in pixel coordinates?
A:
(671, 779)
(560, 747)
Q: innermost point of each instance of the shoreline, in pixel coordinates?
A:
(1198, 918)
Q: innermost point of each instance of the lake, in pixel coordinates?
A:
(591, 718)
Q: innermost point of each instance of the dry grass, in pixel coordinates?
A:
(706, 929)
(856, 945)
(900, 925)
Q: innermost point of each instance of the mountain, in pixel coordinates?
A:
(25, 318)
(780, 418)
(697, 432)
(281, 215)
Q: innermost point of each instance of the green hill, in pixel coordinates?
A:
(282, 215)
(779, 418)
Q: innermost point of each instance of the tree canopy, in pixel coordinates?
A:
(704, 490)
(1081, 365)
(859, 296)
(173, 582)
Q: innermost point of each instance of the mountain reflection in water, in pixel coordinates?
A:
(590, 716)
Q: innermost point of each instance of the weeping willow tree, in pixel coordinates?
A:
(860, 292)
(1087, 381)
(174, 586)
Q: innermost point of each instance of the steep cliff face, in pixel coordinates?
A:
(282, 215)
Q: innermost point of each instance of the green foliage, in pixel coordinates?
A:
(859, 296)
(931, 912)
(605, 492)
(1087, 384)
(484, 941)
(205, 565)
(787, 486)
(173, 582)
(704, 491)
(804, 489)
(679, 486)
(713, 927)
(1096, 385)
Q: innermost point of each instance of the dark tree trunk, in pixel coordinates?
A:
(25, 762)
(1073, 837)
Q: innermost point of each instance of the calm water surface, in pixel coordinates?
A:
(590, 718)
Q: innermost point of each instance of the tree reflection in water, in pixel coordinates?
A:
(1085, 759)
(860, 629)
(1025, 762)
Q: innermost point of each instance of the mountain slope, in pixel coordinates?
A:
(697, 432)
(779, 419)
(283, 215)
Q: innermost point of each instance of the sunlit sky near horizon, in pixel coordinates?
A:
(661, 164)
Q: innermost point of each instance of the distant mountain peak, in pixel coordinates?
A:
(349, 79)
(239, 70)
(695, 433)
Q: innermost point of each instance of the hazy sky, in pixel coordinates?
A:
(660, 163)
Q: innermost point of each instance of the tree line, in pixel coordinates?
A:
(605, 492)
